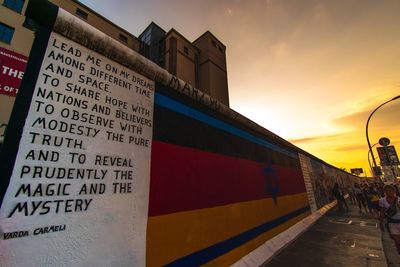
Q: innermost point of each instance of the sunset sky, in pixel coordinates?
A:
(310, 71)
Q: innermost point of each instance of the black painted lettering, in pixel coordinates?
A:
(82, 91)
(19, 208)
(116, 102)
(93, 60)
(67, 60)
(25, 170)
(116, 137)
(101, 109)
(123, 175)
(111, 68)
(122, 188)
(139, 141)
(77, 158)
(53, 81)
(92, 189)
(43, 155)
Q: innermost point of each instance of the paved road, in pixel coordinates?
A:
(340, 239)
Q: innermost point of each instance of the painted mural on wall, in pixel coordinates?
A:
(218, 190)
(80, 181)
(323, 178)
(306, 169)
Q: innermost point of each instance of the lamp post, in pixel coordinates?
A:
(369, 161)
(366, 127)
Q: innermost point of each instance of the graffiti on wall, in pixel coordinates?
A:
(322, 178)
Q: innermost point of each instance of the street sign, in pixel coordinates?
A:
(388, 156)
(384, 141)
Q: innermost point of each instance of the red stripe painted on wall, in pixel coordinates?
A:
(184, 179)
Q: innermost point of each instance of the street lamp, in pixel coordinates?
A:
(369, 161)
(366, 127)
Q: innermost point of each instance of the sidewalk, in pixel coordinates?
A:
(340, 239)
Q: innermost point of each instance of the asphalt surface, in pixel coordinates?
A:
(339, 239)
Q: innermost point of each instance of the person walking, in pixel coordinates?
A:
(368, 197)
(352, 195)
(339, 197)
(390, 210)
(375, 197)
(360, 197)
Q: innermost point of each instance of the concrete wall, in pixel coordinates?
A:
(220, 185)
(218, 190)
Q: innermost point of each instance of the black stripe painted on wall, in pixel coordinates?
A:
(174, 128)
(178, 96)
(20, 110)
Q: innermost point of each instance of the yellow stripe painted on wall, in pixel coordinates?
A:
(239, 252)
(173, 236)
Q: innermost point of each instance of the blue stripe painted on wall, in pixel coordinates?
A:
(214, 251)
(183, 109)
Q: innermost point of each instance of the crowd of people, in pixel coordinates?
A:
(377, 198)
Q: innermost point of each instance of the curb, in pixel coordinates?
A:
(264, 253)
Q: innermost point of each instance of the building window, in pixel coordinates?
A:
(146, 37)
(82, 14)
(15, 5)
(123, 38)
(186, 50)
(6, 33)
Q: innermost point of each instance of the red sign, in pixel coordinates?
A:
(12, 67)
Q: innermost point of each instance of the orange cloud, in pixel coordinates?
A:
(385, 117)
(348, 147)
(319, 138)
